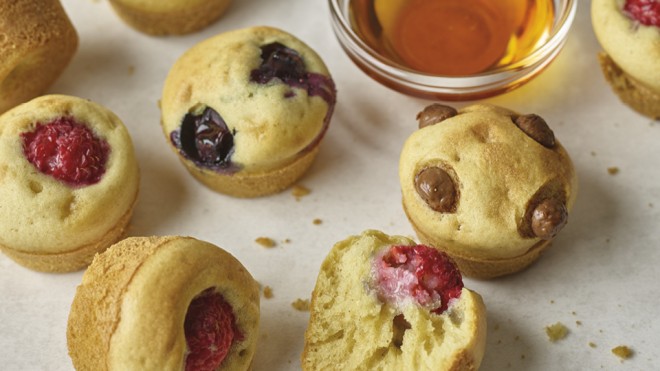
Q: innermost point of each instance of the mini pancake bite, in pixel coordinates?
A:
(246, 110)
(384, 302)
(164, 303)
(37, 42)
(629, 32)
(171, 17)
(490, 187)
(68, 182)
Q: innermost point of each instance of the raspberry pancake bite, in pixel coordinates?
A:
(37, 42)
(68, 182)
(490, 187)
(629, 32)
(164, 303)
(171, 17)
(385, 303)
(246, 110)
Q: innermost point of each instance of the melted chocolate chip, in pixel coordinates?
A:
(548, 218)
(434, 114)
(536, 128)
(206, 139)
(437, 188)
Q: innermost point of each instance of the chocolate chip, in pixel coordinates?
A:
(435, 113)
(537, 129)
(437, 188)
(548, 218)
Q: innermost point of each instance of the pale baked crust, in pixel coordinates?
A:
(277, 128)
(179, 17)
(350, 329)
(129, 311)
(37, 42)
(631, 62)
(638, 96)
(498, 170)
(59, 226)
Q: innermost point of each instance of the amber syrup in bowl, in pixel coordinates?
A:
(452, 49)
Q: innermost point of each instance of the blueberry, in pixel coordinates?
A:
(206, 139)
(281, 62)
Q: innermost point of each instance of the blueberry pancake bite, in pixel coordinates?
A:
(37, 42)
(164, 303)
(386, 303)
(487, 185)
(170, 17)
(629, 32)
(68, 182)
(246, 110)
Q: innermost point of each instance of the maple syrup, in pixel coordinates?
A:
(453, 37)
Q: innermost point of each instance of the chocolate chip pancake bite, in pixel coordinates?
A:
(171, 17)
(68, 182)
(386, 303)
(37, 42)
(246, 110)
(629, 32)
(164, 303)
(487, 185)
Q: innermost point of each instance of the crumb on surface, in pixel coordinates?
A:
(622, 351)
(613, 170)
(131, 70)
(268, 292)
(265, 242)
(593, 153)
(592, 344)
(579, 323)
(556, 332)
(298, 191)
(317, 221)
(287, 240)
(301, 305)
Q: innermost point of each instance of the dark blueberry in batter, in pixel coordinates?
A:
(281, 62)
(206, 139)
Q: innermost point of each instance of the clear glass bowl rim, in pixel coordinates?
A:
(357, 48)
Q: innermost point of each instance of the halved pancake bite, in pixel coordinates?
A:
(385, 303)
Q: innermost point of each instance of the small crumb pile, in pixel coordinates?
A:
(265, 242)
(622, 352)
(556, 332)
(299, 191)
(268, 292)
(301, 305)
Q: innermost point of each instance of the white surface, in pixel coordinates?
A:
(602, 269)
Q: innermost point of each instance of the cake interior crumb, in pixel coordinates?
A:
(265, 242)
(301, 305)
(298, 191)
(268, 292)
(622, 351)
(556, 332)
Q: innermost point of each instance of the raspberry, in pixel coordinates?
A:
(646, 12)
(419, 272)
(66, 150)
(210, 330)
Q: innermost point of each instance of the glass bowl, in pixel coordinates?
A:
(495, 81)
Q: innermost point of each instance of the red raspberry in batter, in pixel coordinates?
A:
(422, 273)
(210, 330)
(66, 150)
(646, 12)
